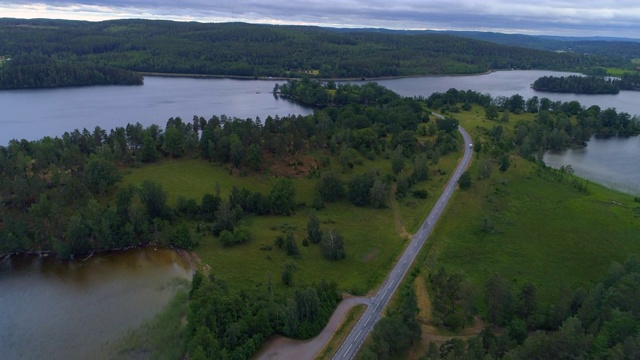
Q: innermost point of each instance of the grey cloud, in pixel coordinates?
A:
(587, 17)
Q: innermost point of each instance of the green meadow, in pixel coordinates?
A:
(372, 239)
(541, 228)
(531, 224)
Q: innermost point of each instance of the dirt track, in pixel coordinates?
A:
(282, 348)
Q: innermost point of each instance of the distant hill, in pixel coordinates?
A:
(611, 47)
(55, 47)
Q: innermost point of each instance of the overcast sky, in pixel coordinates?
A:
(573, 18)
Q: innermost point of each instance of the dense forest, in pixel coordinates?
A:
(597, 323)
(587, 84)
(557, 124)
(34, 70)
(611, 49)
(576, 84)
(231, 324)
(44, 52)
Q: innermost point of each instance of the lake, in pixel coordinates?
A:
(33, 114)
(74, 310)
(612, 162)
(507, 83)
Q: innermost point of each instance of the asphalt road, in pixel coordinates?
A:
(354, 340)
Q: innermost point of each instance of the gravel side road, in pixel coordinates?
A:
(282, 348)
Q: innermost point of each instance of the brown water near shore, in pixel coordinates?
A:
(75, 310)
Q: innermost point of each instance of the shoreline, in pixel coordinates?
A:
(190, 257)
(271, 78)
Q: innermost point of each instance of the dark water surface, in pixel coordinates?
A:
(612, 162)
(507, 83)
(34, 114)
(51, 309)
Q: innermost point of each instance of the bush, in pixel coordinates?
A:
(239, 235)
(332, 245)
(420, 194)
(187, 207)
(282, 197)
(290, 245)
(181, 238)
(359, 189)
(330, 187)
(465, 180)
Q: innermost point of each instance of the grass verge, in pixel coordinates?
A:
(350, 320)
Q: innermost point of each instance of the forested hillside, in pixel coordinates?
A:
(612, 49)
(40, 50)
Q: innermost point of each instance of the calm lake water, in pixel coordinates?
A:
(74, 310)
(507, 83)
(51, 309)
(612, 162)
(34, 114)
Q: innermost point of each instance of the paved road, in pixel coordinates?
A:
(356, 337)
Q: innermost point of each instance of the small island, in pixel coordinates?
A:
(578, 84)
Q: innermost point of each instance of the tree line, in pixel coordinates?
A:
(398, 329)
(224, 323)
(602, 322)
(35, 70)
(577, 84)
(598, 323)
(558, 125)
(245, 50)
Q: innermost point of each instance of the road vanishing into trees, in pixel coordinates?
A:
(363, 327)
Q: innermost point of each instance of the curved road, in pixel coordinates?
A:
(354, 340)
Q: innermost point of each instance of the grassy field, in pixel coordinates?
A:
(412, 210)
(544, 230)
(372, 241)
(616, 71)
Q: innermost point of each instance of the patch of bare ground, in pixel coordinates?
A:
(370, 255)
(298, 166)
(429, 332)
(190, 258)
(194, 261)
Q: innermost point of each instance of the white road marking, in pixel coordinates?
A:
(391, 282)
